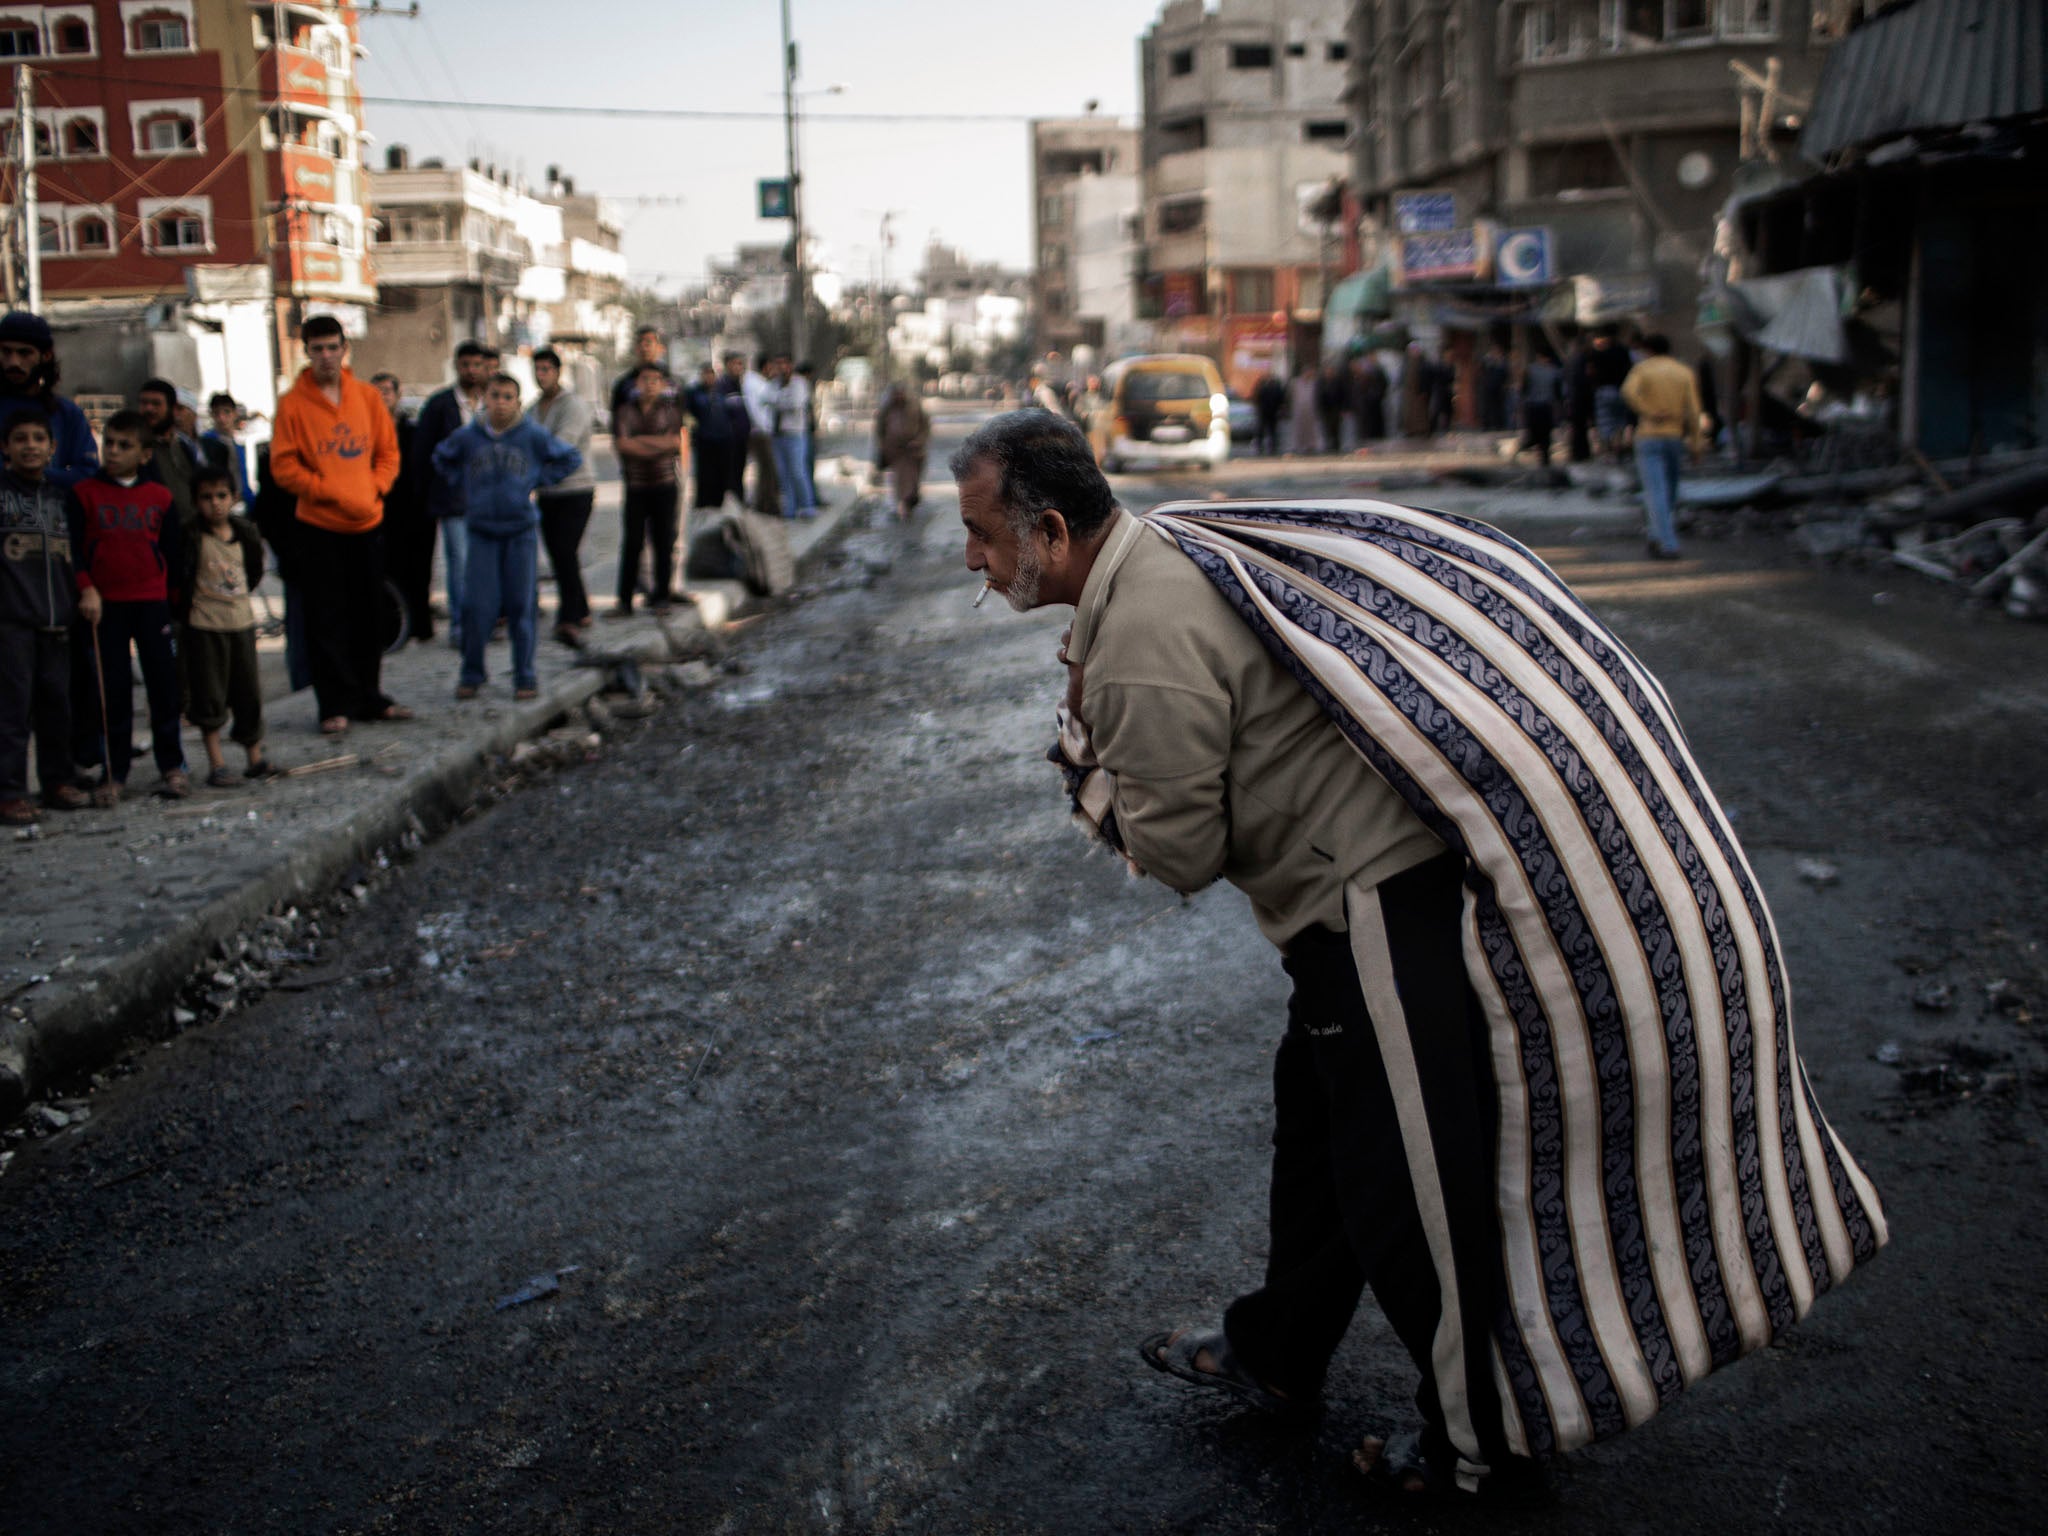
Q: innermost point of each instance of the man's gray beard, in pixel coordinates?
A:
(1022, 593)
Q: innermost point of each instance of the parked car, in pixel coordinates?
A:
(1162, 408)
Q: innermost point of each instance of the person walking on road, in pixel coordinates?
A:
(1662, 392)
(792, 406)
(1349, 743)
(1269, 400)
(1330, 406)
(409, 528)
(501, 459)
(903, 435)
(1541, 387)
(447, 412)
(565, 505)
(336, 450)
(648, 435)
(1303, 436)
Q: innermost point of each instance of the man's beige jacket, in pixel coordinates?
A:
(1220, 762)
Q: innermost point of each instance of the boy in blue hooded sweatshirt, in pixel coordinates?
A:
(495, 464)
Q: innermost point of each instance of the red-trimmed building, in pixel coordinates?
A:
(174, 134)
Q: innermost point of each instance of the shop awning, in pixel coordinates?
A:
(1364, 293)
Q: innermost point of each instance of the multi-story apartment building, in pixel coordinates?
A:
(1244, 127)
(590, 320)
(464, 253)
(1580, 149)
(1064, 153)
(175, 135)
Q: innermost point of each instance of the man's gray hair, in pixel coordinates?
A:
(1042, 462)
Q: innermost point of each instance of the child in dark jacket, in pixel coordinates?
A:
(130, 542)
(38, 533)
(495, 464)
(221, 565)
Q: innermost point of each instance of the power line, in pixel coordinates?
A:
(556, 109)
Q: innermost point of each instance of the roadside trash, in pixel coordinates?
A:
(1818, 872)
(1938, 998)
(536, 1287)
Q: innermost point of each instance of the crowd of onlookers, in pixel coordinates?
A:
(142, 547)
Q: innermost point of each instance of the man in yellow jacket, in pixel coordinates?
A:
(335, 449)
(1666, 399)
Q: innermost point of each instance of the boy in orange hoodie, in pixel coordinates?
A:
(334, 448)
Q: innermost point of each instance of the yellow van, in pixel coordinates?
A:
(1165, 408)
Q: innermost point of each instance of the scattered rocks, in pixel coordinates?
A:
(1937, 997)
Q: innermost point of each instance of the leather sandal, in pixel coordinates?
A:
(1175, 1354)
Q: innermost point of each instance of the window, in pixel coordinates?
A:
(1415, 83)
(19, 42)
(1179, 134)
(50, 236)
(71, 34)
(168, 135)
(1332, 130)
(1051, 258)
(1542, 38)
(1052, 212)
(1454, 58)
(1688, 18)
(82, 138)
(177, 230)
(1251, 56)
(1587, 167)
(1337, 53)
(1179, 218)
(1297, 50)
(166, 35)
(1750, 18)
(1181, 62)
(92, 233)
(1251, 292)
(46, 139)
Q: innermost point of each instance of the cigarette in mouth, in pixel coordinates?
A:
(982, 596)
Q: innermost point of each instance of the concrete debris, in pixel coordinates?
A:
(1936, 998)
(48, 1118)
(2003, 996)
(1818, 873)
(1887, 1055)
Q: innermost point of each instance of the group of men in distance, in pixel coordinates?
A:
(125, 546)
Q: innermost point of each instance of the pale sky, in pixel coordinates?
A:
(966, 182)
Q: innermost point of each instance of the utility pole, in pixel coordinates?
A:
(796, 195)
(31, 217)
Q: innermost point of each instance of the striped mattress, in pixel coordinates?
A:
(1670, 1195)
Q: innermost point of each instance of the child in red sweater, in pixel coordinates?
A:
(130, 548)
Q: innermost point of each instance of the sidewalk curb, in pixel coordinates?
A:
(88, 1016)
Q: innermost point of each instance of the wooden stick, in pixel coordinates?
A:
(325, 765)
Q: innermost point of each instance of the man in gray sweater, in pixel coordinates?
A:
(565, 506)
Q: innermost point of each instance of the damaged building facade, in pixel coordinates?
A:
(1523, 163)
(1905, 271)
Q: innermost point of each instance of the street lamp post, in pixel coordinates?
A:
(796, 204)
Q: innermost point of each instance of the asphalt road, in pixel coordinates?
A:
(862, 1120)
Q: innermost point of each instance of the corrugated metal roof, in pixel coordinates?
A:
(1930, 64)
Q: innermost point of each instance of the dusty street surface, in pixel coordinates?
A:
(862, 1121)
